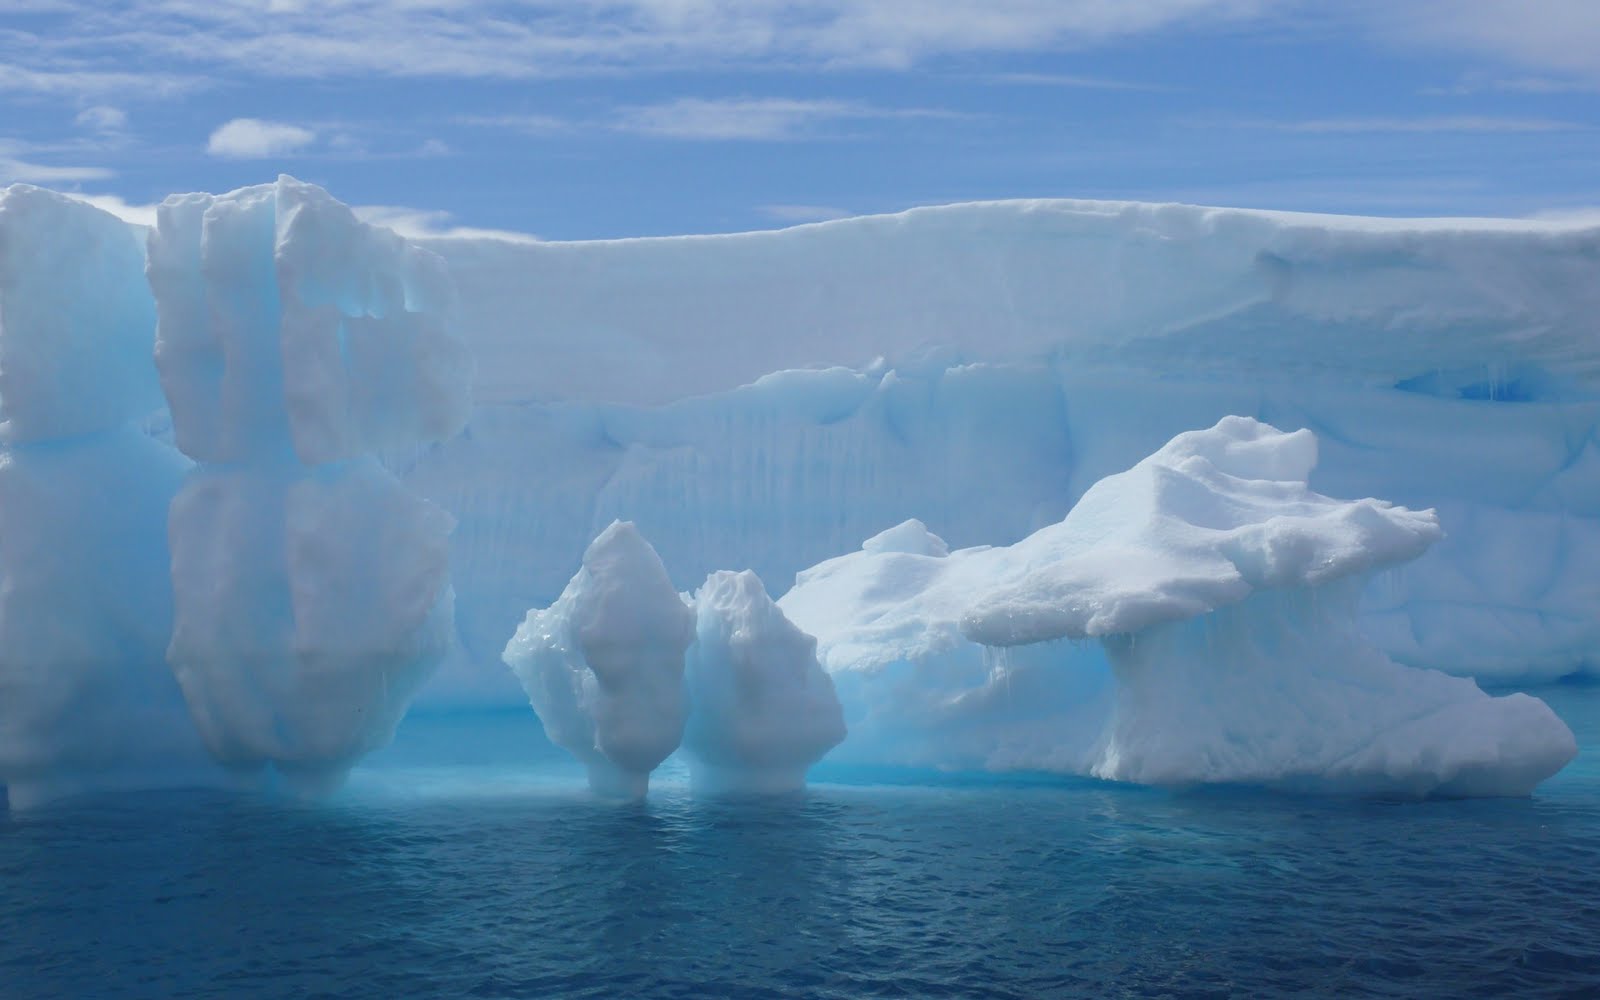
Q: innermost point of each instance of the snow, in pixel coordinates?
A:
(1223, 593)
(603, 666)
(763, 710)
(312, 589)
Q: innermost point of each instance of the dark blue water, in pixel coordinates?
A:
(467, 862)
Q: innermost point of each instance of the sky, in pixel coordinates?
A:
(608, 118)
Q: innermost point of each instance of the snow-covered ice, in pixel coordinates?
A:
(1223, 594)
(603, 666)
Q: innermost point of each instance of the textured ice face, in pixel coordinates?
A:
(311, 605)
(603, 665)
(286, 323)
(1224, 593)
(312, 590)
(763, 709)
(76, 319)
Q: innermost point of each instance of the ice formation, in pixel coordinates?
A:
(1223, 592)
(996, 360)
(764, 400)
(762, 708)
(86, 700)
(312, 590)
(603, 666)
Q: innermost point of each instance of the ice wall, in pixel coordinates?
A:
(997, 359)
(312, 589)
(86, 700)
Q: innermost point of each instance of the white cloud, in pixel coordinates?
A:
(140, 215)
(804, 213)
(254, 139)
(79, 83)
(765, 119)
(1448, 123)
(1070, 81)
(421, 223)
(526, 124)
(102, 118)
(532, 38)
(1560, 36)
(21, 171)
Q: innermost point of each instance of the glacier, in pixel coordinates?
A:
(346, 465)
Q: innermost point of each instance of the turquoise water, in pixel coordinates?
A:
(467, 861)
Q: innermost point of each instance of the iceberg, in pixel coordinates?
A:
(312, 589)
(1220, 592)
(324, 511)
(603, 666)
(762, 708)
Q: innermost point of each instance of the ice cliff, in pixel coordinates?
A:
(767, 400)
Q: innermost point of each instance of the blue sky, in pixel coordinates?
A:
(603, 118)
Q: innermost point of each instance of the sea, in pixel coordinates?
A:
(468, 861)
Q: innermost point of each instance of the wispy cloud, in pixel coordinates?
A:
(1397, 125)
(141, 215)
(102, 118)
(759, 119)
(1070, 81)
(530, 38)
(803, 213)
(16, 76)
(523, 123)
(14, 171)
(1553, 36)
(1446, 123)
(254, 139)
(1472, 86)
(421, 223)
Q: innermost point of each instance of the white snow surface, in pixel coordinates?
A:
(603, 666)
(762, 708)
(1223, 592)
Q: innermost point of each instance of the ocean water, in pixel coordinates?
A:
(468, 861)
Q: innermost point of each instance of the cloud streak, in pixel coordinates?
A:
(762, 119)
(520, 39)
